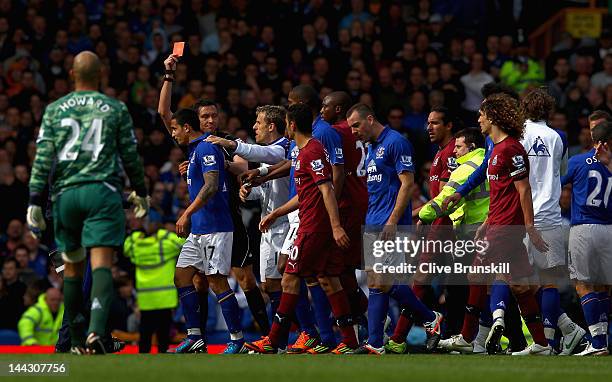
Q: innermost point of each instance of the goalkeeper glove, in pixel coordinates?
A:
(141, 204)
(36, 220)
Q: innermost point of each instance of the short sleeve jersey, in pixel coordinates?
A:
(507, 164)
(591, 189)
(354, 191)
(312, 168)
(330, 138)
(215, 216)
(292, 155)
(443, 164)
(388, 157)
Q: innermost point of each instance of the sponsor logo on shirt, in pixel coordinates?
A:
(372, 172)
(209, 160)
(433, 178)
(406, 160)
(380, 152)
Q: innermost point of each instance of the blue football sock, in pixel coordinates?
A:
(551, 310)
(405, 297)
(191, 309)
(274, 301)
(378, 306)
(323, 316)
(304, 313)
(592, 314)
(500, 294)
(231, 313)
(604, 303)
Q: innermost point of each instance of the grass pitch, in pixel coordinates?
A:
(170, 368)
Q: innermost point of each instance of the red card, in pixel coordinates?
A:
(177, 48)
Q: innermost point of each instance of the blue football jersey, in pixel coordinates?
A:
(215, 216)
(330, 138)
(389, 156)
(292, 155)
(591, 189)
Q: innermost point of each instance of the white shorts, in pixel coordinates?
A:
(590, 253)
(556, 255)
(269, 249)
(294, 222)
(375, 258)
(209, 253)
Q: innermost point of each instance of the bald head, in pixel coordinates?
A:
(335, 106)
(53, 298)
(86, 68)
(305, 94)
(341, 100)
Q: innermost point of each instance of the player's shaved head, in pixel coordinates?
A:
(341, 99)
(86, 68)
(305, 94)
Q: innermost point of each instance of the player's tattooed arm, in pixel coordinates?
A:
(208, 190)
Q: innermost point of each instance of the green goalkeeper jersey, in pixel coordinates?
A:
(87, 137)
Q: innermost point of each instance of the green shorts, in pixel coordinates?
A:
(90, 215)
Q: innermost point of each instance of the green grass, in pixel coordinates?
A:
(205, 368)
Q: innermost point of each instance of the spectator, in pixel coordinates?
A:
(604, 78)
(395, 118)
(26, 274)
(40, 324)
(12, 239)
(472, 83)
(558, 86)
(14, 293)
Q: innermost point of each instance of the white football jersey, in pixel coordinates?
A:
(273, 193)
(547, 160)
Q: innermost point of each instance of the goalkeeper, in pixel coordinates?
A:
(89, 137)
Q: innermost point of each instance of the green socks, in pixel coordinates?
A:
(101, 298)
(73, 301)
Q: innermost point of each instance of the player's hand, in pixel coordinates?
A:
(182, 225)
(183, 167)
(481, 232)
(389, 231)
(282, 262)
(536, 239)
(226, 143)
(341, 238)
(141, 204)
(450, 201)
(248, 176)
(170, 62)
(266, 222)
(245, 190)
(36, 221)
(419, 227)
